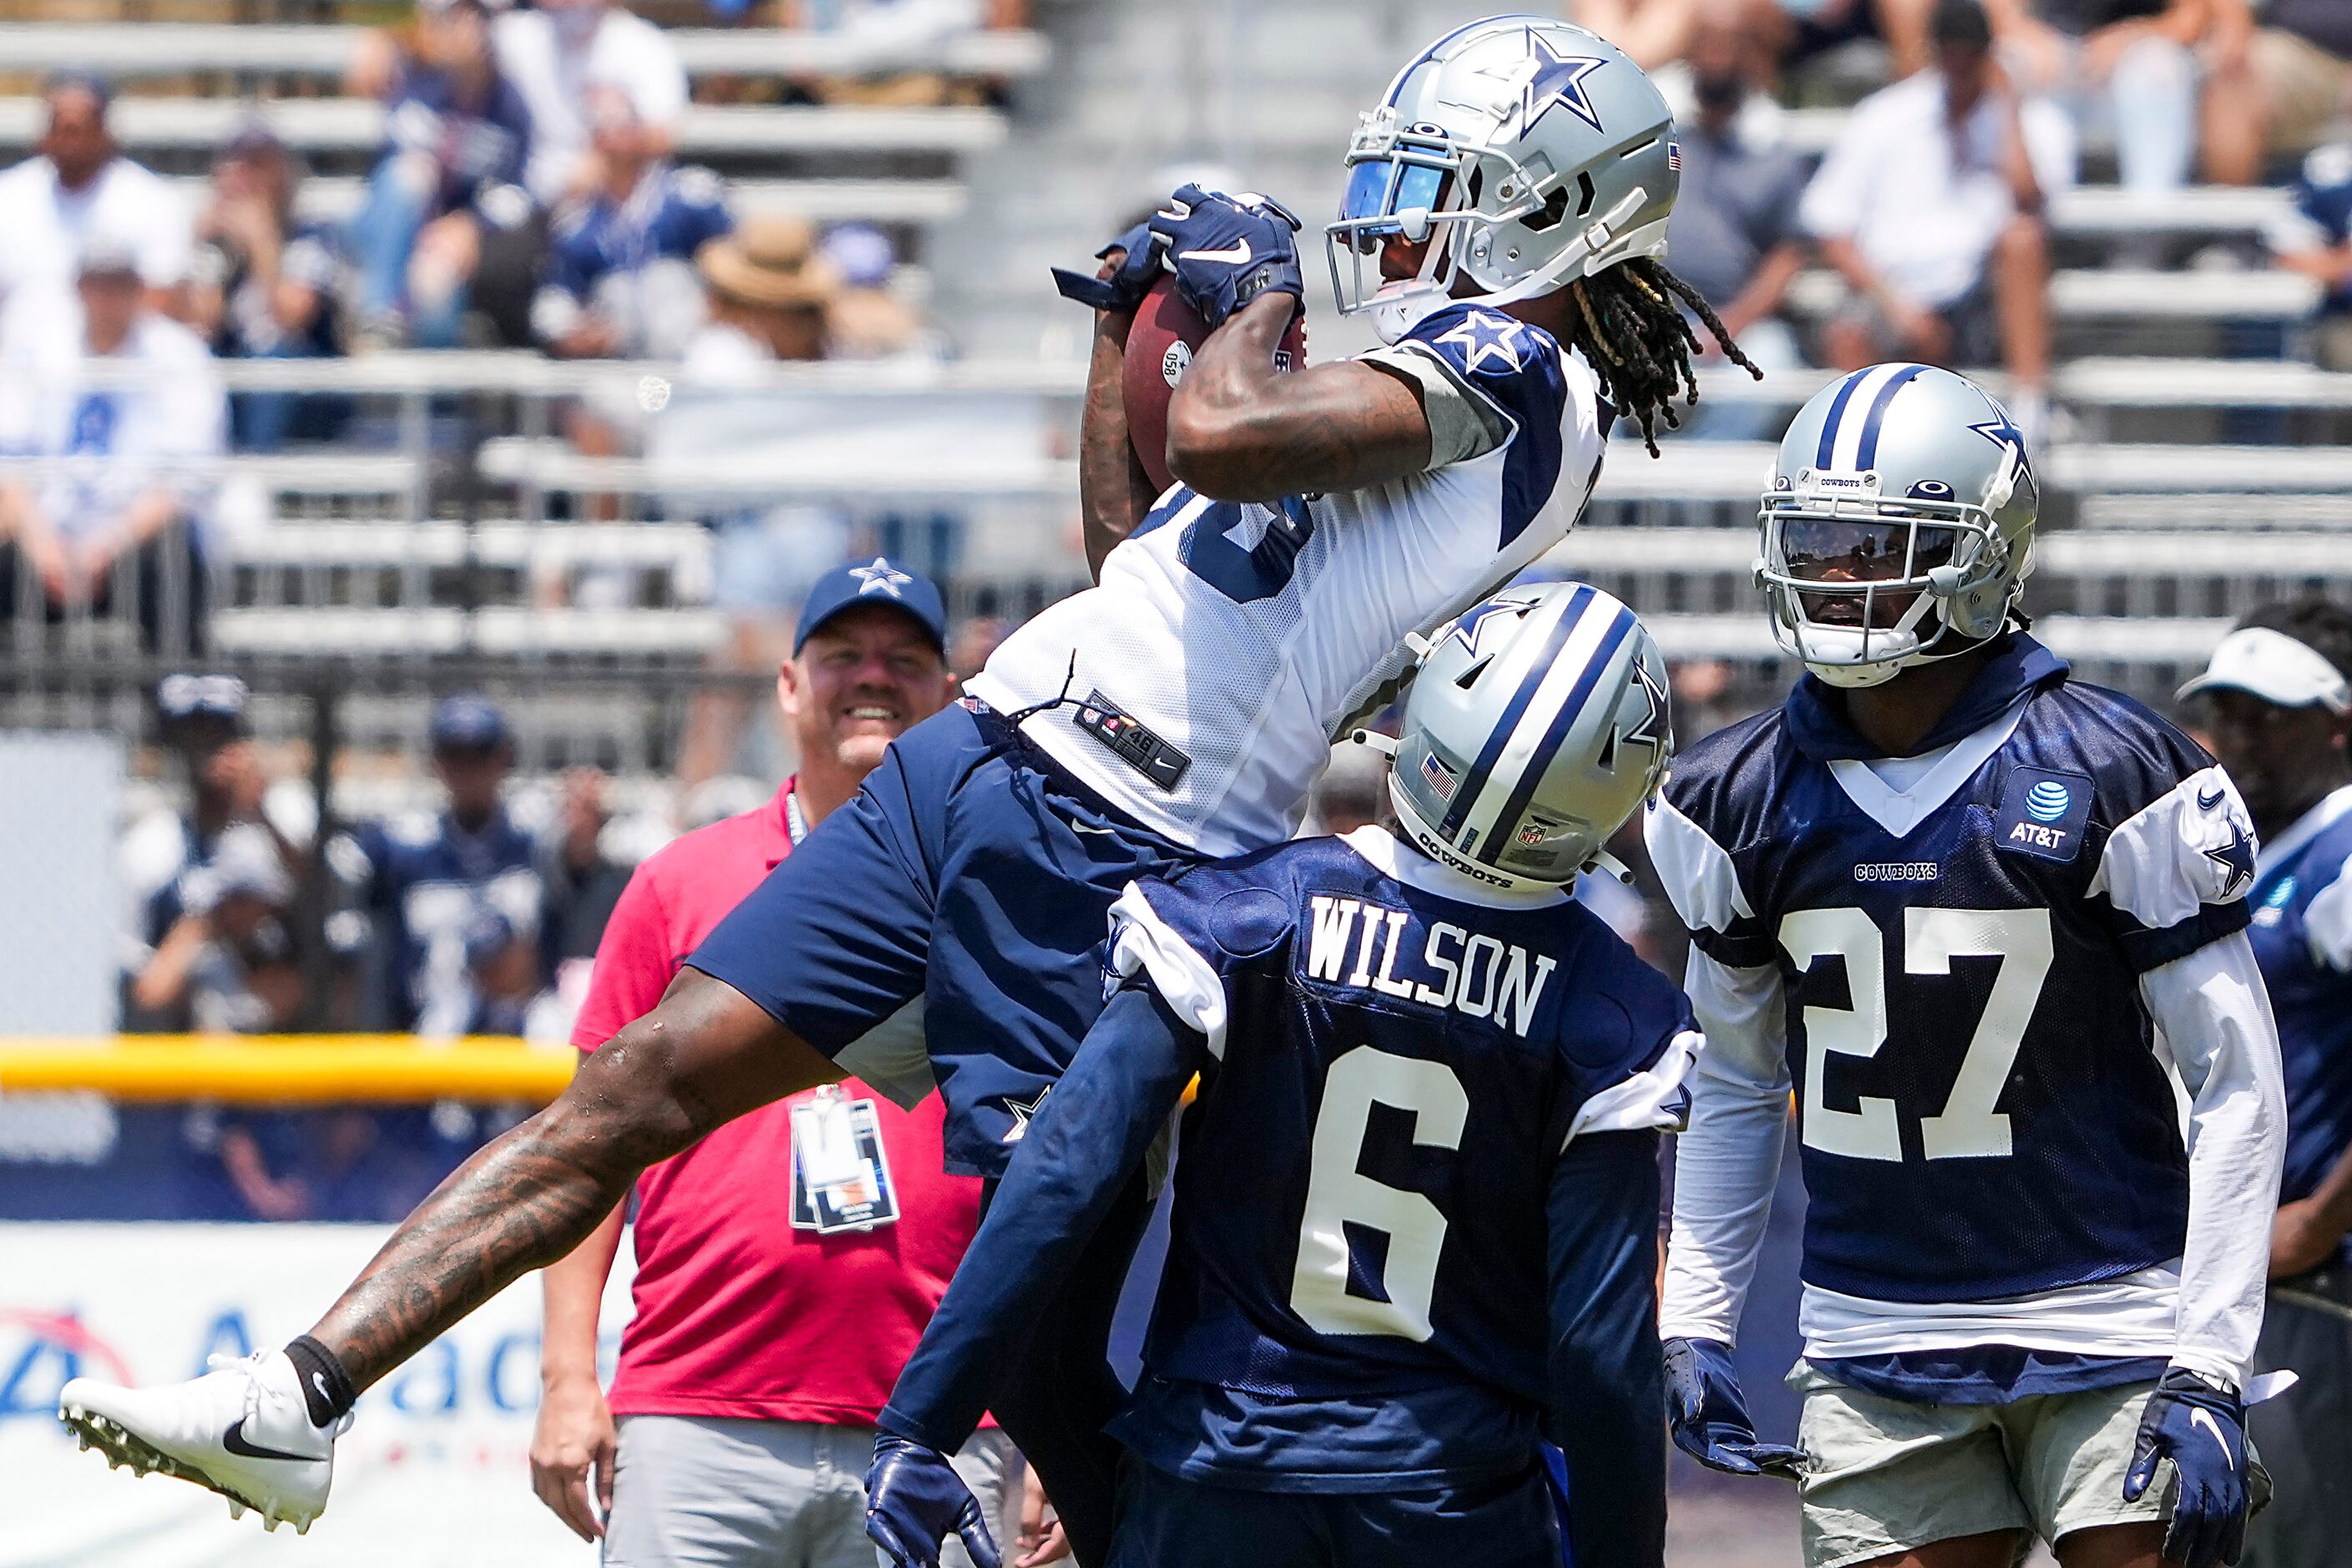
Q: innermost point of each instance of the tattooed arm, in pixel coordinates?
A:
(1239, 430)
(705, 1055)
(1114, 492)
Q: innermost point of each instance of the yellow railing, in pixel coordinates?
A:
(288, 1069)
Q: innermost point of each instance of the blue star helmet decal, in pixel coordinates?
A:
(879, 578)
(1558, 82)
(1652, 730)
(2002, 431)
(1471, 629)
(1483, 335)
(2236, 856)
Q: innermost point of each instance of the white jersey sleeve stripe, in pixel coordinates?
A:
(1700, 880)
(2177, 853)
(1656, 1100)
(1143, 942)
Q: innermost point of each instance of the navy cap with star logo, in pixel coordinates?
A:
(881, 580)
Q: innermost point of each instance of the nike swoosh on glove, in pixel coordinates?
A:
(2203, 1430)
(1227, 250)
(1124, 289)
(1710, 1413)
(914, 1498)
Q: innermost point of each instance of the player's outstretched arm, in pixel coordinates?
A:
(1239, 430)
(1081, 1146)
(705, 1055)
(1607, 1375)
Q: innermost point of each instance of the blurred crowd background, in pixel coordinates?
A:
(418, 428)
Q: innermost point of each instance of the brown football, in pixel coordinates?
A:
(1158, 351)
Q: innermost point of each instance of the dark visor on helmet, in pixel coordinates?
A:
(1380, 188)
(1824, 549)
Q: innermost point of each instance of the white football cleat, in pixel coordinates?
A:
(241, 1430)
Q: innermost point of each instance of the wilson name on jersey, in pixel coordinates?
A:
(1398, 1058)
(1983, 1111)
(1228, 642)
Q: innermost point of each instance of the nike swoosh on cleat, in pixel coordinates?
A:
(2208, 802)
(234, 1441)
(1236, 253)
(2213, 1429)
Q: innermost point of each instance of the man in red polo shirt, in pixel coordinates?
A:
(787, 1263)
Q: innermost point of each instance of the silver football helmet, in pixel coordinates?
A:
(1535, 152)
(1538, 722)
(1899, 527)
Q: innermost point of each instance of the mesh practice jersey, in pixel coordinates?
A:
(1228, 642)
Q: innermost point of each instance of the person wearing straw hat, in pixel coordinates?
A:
(771, 287)
(2276, 699)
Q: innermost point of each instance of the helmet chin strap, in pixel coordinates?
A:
(1394, 317)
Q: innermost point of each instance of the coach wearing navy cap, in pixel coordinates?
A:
(769, 1329)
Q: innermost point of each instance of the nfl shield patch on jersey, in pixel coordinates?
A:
(2042, 812)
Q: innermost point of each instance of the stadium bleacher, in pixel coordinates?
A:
(462, 467)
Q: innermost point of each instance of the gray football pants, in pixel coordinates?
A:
(693, 1491)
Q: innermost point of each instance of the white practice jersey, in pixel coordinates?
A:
(1229, 642)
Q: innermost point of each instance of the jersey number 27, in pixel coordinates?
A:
(1967, 1126)
(1338, 1196)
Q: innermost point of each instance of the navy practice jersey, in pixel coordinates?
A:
(2302, 936)
(1983, 1111)
(1359, 1227)
(446, 900)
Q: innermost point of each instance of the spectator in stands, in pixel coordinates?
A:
(775, 1306)
(2126, 65)
(459, 138)
(2275, 89)
(267, 286)
(115, 518)
(2315, 237)
(203, 728)
(1930, 205)
(770, 289)
(553, 51)
(1658, 32)
(77, 184)
(902, 38)
(457, 899)
(621, 276)
(1734, 229)
(227, 964)
(865, 320)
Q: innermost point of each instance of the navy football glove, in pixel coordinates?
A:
(1227, 250)
(1131, 279)
(2203, 1430)
(1709, 1414)
(913, 1497)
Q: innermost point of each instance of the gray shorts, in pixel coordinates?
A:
(1888, 1475)
(695, 1492)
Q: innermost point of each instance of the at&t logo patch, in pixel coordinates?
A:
(2042, 814)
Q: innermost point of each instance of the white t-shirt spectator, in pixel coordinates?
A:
(116, 440)
(1923, 204)
(554, 75)
(44, 226)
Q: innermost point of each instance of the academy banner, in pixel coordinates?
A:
(434, 1474)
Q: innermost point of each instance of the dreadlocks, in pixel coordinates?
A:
(1638, 342)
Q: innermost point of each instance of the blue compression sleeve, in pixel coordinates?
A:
(1608, 1378)
(1081, 1146)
